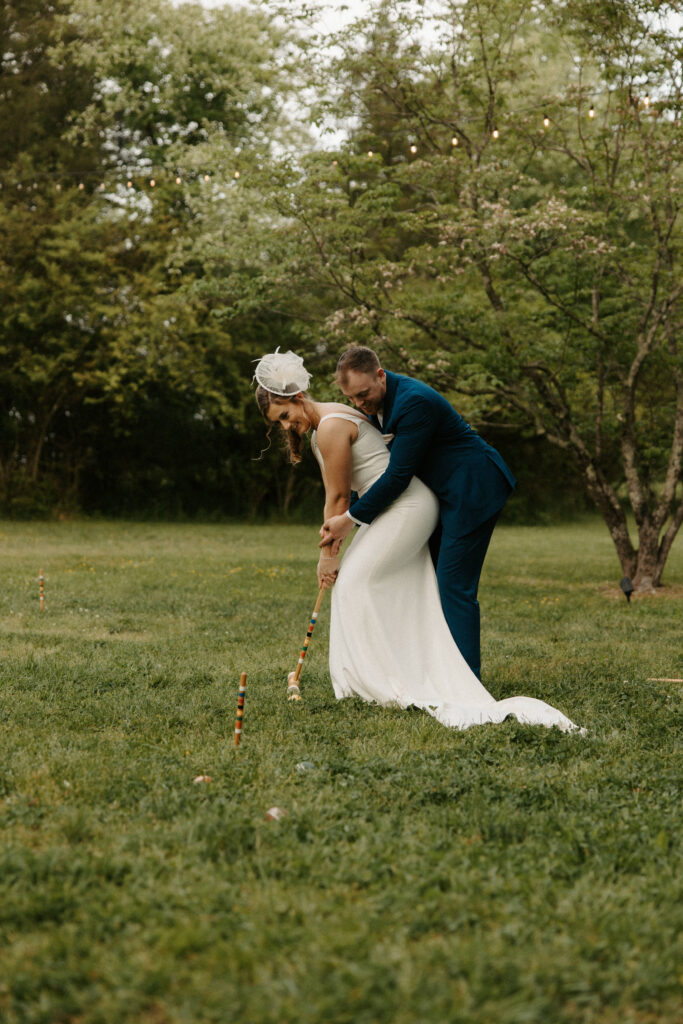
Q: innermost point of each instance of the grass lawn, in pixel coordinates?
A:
(504, 875)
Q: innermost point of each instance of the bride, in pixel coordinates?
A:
(389, 641)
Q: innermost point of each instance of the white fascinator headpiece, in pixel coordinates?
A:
(282, 373)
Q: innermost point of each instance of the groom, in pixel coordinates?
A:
(433, 442)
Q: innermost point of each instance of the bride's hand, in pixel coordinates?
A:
(328, 569)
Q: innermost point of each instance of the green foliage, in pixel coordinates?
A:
(527, 874)
(94, 329)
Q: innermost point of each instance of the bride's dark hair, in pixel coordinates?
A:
(293, 441)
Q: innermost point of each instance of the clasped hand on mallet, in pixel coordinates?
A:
(333, 531)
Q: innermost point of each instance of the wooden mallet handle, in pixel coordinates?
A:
(293, 685)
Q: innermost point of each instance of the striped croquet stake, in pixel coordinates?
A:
(293, 691)
(240, 709)
(41, 587)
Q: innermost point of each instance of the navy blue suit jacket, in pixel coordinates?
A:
(433, 442)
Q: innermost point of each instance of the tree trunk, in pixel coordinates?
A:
(7, 469)
(648, 570)
(289, 490)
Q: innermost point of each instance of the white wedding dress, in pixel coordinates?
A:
(389, 641)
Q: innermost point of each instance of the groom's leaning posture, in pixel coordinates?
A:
(433, 442)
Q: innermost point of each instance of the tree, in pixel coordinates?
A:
(97, 96)
(505, 221)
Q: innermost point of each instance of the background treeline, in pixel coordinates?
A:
(501, 219)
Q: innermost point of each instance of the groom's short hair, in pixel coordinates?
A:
(358, 358)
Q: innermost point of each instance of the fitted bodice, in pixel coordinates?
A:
(369, 452)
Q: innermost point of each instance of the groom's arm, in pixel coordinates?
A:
(411, 444)
(410, 447)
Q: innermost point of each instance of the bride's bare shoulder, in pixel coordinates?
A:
(333, 429)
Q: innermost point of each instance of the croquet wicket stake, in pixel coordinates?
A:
(41, 590)
(293, 691)
(240, 708)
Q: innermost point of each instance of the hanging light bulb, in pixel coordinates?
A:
(236, 175)
(178, 180)
(58, 187)
(646, 100)
(546, 121)
(370, 154)
(152, 182)
(454, 140)
(591, 112)
(413, 148)
(207, 177)
(129, 184)
(81, 186)
(495, 133)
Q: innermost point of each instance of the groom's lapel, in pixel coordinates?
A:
(389, 399)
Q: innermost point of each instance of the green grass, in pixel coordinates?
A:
(504, 875)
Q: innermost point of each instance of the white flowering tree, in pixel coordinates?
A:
(505, 221)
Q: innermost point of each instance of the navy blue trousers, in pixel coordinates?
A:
(458, 562)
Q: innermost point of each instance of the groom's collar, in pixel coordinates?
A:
(390, 395)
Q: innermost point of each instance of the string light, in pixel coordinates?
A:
(495, 134)
(97, 187)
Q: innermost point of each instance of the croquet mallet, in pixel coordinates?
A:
(293, 691)
(240, 709)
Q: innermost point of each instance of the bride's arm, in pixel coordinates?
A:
(334, 439)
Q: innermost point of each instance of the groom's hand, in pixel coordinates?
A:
(335, 529)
